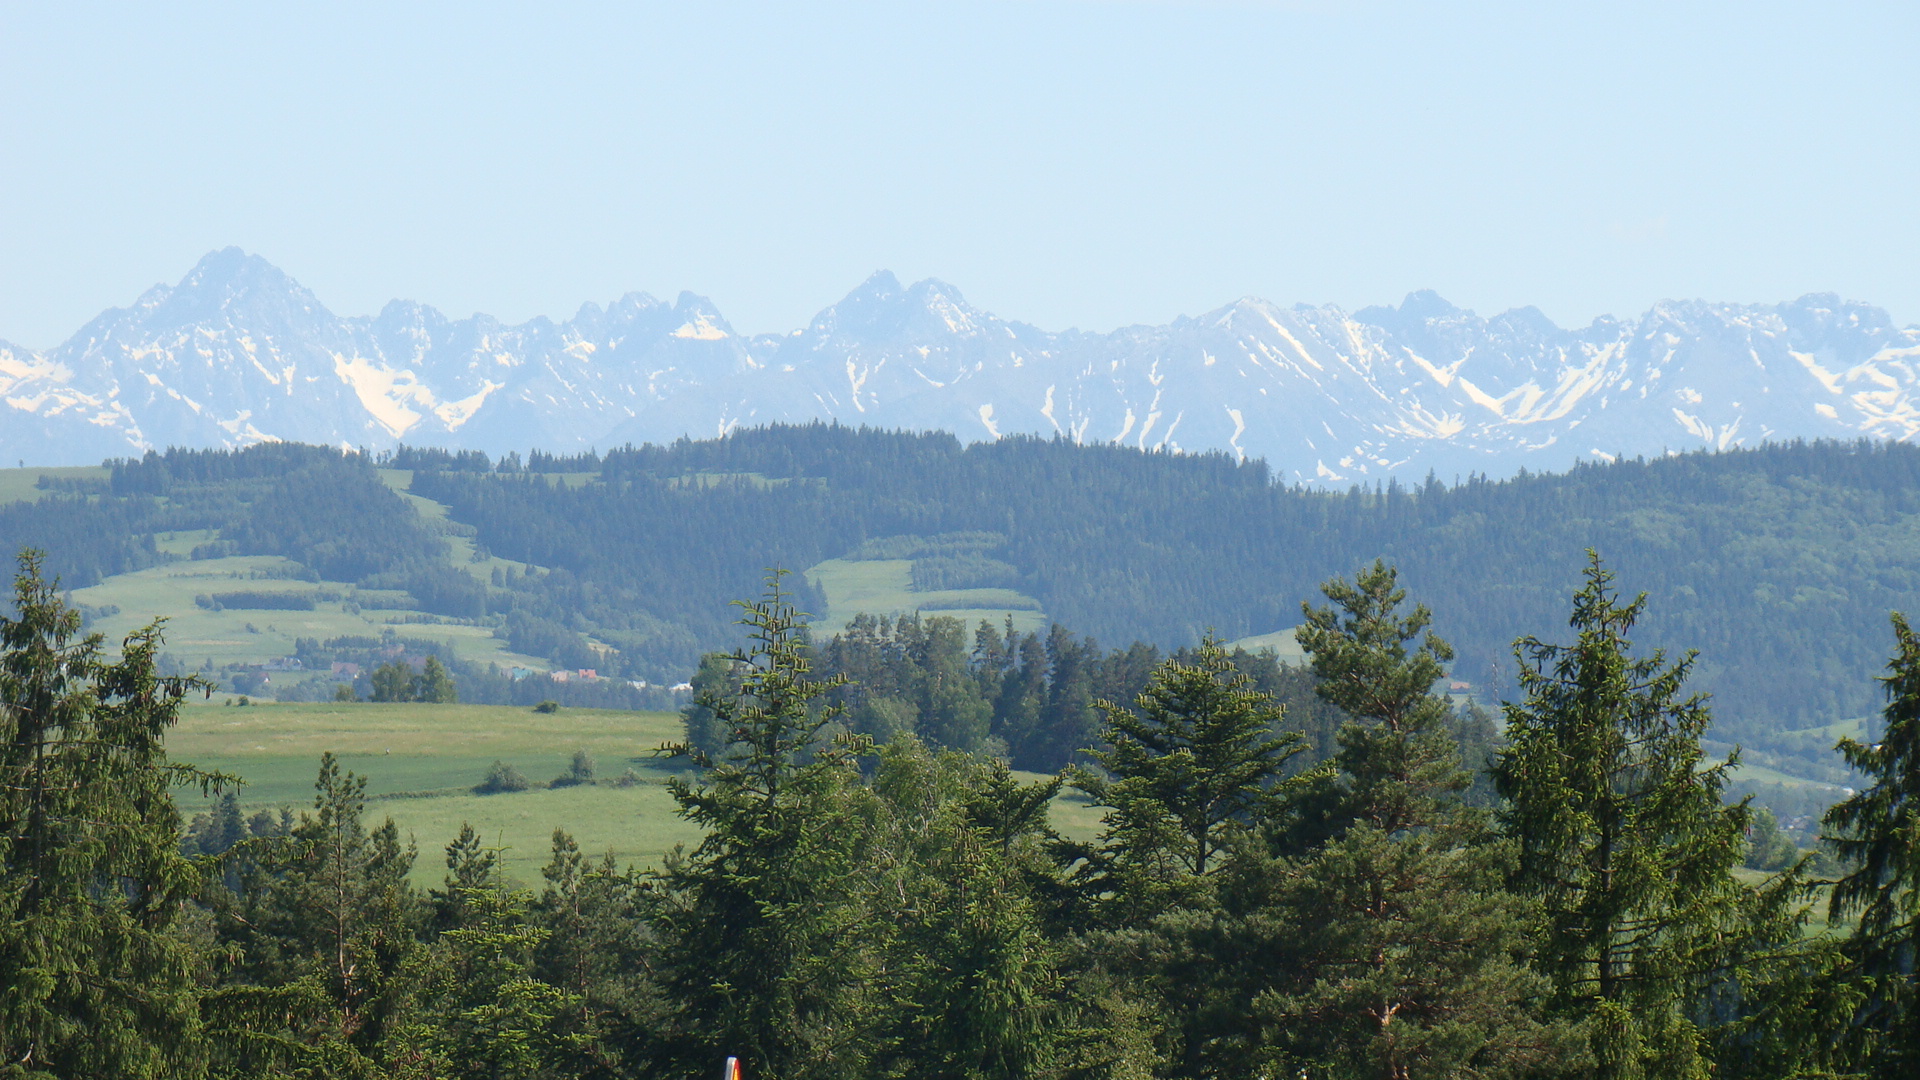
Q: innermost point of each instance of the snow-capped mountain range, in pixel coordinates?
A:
(239, 352)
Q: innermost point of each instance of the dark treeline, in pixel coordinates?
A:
(1776, 562)
(1252, 905)
(1779, 563)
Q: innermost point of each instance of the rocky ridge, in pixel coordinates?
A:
(239, 352)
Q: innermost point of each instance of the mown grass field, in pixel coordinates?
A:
(23, 485)
(885, 587)
(197, 634)
(422, 761)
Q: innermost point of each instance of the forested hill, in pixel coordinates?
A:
(1779, 564)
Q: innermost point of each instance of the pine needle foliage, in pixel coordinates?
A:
(762, 955)
(1623, 835)
(1876, 833)
(96, 976)
(1200, 760)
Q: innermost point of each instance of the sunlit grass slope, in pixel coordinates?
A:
(422, 761)
(885, 587)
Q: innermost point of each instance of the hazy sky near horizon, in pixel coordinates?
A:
(1085, 164)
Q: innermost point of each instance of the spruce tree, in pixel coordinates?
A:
(598, 949)
(1876, 833)
(1189, 777)
(323, 943)
(1200, 760)
(1403, 947)
(1623, 836)
(97, 974)
(970, 973)
(760, 955)
(484, 1012)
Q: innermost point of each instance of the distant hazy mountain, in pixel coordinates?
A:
(238, 352)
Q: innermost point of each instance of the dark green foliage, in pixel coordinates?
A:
(97, 976)
(974, 980)
(579, 771)
(760, 954)
(260, 601)
(1198, 763)
(501, 778)
(597, 949)
(1876, 834)
(397, 681)
(483, 1011)
(320, 948)
(1622, 836)
(1775, 561)
(547, 705)
(1405, 951)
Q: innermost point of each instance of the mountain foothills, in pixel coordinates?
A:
(238, 353)
(1779, 564)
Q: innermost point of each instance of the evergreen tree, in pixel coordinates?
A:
(485, 1014)
(1876, 833)
(972, 977)
(97, 974)
(434, 683)
(1189, 776)
(323, 941)
(1623, 836)
(760, 956)
(1200, 760)
(1403, 945)
(598, 950)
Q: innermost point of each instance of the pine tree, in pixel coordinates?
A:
(1876, 833)
(760, 958)
(1623, 836)
(97, 976)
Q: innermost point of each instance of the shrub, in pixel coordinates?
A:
(579, 772)
(502, 778)
(547, 706)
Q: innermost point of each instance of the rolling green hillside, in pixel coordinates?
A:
(1779, 564)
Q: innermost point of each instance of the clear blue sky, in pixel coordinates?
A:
(1068, 164)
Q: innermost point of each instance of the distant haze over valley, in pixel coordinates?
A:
(238, 352)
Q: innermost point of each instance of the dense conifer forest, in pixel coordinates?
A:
(1779, 564)
(1326, 871)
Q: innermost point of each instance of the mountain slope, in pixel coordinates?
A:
(238, 352)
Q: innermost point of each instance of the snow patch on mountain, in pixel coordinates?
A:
(237, 352)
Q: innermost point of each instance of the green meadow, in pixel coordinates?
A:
(421, 763)
(196, 634)
(885, 587)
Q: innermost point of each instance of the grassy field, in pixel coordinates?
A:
(22, 485)
(1280, 641)
(197, 634)
(421, 762)
(885, 587)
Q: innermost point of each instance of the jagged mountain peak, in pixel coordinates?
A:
(238, 351)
